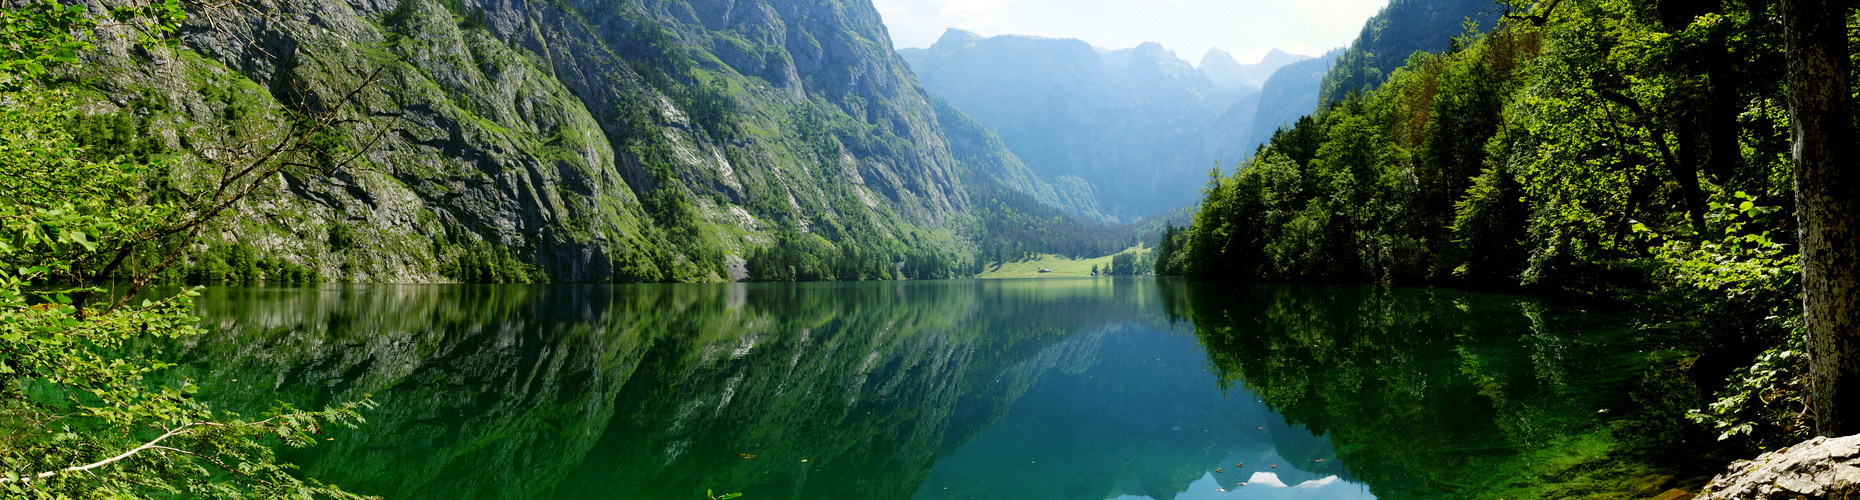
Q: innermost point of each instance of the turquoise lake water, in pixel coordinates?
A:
(1086, 388)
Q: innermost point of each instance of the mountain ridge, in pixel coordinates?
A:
(561, 141)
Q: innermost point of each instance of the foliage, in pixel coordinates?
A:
(676, 219)
(1128, 263)
(1615, 149)
(799, 256)
(39, 35)
(481, 262)
(1386, 40)
(66, 400)
(1169, 255)
(1762, 400)
(239, 263)
(1017, 226)
(77, 419)
(1741, 291)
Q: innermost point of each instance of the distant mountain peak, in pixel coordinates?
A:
(1218, 58)
(1154, 49)
(1276, 58)
(1226, 71)
(957, 38)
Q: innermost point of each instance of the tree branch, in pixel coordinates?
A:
(1536, 19)
(108, 461)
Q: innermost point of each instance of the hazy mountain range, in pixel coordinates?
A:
(1224, 70)
(1140, 124)
(1290, 93)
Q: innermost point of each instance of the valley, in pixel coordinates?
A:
(928, 249)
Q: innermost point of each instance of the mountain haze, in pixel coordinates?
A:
(1224, 70)
(1122, 120)
(1290, 93)
(986, 160)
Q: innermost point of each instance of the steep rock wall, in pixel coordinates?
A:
(603, 140)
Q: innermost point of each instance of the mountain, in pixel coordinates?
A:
(985, 159)
(1128, 122)
(567, 141)
(1221, 139)
(1224, 70)
(1403, 27)
(1290, 93)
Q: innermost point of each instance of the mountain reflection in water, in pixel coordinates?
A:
(1089, 388)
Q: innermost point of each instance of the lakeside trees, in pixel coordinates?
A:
(1605, 148)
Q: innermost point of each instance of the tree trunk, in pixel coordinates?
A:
(1827, 204)
(1695, 108)
(1725, 154)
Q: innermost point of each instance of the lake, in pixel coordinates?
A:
(1070, 388)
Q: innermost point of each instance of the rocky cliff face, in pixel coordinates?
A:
(1130, 122)
(584, 140)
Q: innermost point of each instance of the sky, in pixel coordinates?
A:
(1246, 28)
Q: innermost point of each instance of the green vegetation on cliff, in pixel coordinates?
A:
(1399, 30)
(599, 141)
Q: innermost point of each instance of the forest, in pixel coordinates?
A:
(1633, 153)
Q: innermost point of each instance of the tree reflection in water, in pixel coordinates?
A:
(1062, 388)
(1437, 393)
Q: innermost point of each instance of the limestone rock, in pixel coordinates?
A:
(539, 130)
(1818, 468)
